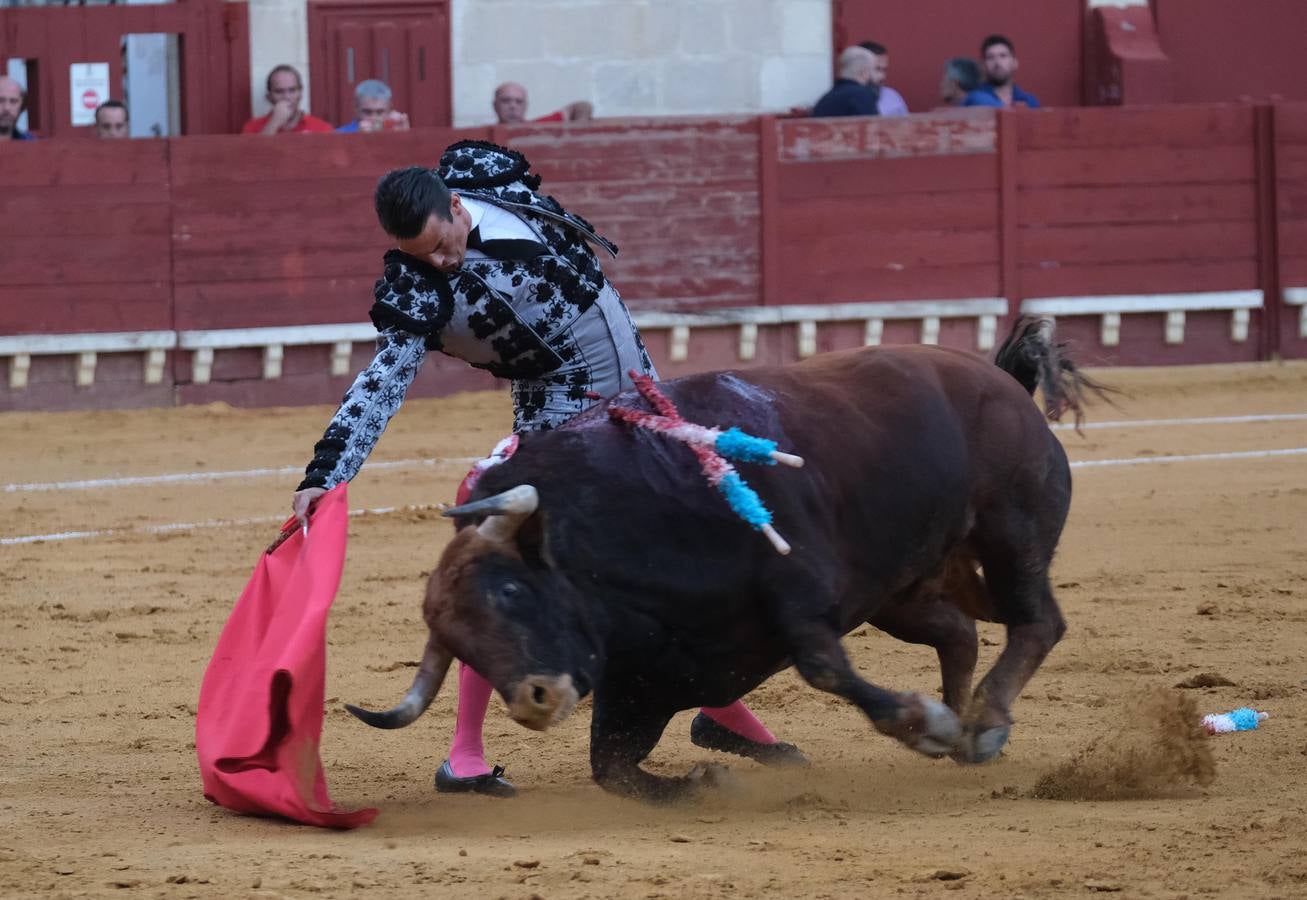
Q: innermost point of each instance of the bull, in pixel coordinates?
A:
(934, 495)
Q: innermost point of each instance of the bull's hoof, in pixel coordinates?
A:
(927, 726)
(981, 746)
(706, 733)
(712, 776)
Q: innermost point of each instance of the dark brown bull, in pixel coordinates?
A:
(934, 495)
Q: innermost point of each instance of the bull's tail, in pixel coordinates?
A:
(1032, 356)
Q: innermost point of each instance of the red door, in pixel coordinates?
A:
(404, 43)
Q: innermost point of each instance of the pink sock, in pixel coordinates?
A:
(737, 718)
(467, 756)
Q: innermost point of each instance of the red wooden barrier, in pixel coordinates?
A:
(1290, 181)
(1141, 201)
(799, 217)
(884, 209)
(282, 232)
(678, 197)
(85, 230)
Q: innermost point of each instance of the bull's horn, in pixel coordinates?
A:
(504, 512)
(431, 672)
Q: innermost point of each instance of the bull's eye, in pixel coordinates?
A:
(509, 590)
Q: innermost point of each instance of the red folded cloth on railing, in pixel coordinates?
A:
(261, 702)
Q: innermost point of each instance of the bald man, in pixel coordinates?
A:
(12, 100)
(851, 94)
(510, 107)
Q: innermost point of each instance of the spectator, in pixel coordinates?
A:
(111, 120)
(1000, 62)
(13, 100)
(849, 96)
(889, 102)
(373, 111)
(510, 107)
(962, 77)
(285, 92)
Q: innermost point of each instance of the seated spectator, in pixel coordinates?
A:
(1000, 62)
(111, 120)
(961, 84)
(850, 95)
(510, 107)
(890, 102)
(285, 92)
(373, 111)
(13, 100)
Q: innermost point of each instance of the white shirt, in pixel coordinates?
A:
(496, 224)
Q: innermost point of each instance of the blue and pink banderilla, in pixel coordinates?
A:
(711, 446)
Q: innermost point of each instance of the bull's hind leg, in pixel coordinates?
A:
(622, 733)
(937, 623)
(943, 615)
(807, 622)
(1034, 625)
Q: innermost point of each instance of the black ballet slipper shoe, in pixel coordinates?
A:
(493, 784)
(706, 733)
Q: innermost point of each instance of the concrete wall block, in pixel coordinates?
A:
(806, 26)
(753, 27)
(474, 89)
(593, 31)
(702, 87)
(625, 89)
(659, 28)
(505, 33)
(703, 30)
(791, 81)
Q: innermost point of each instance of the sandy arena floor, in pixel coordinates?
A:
(1166, 571)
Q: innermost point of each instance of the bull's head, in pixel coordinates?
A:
(497, 603)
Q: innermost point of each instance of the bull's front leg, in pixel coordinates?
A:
(622, 734)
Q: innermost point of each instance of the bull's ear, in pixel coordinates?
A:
(533, 542)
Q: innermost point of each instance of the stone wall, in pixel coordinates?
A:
(642, 57)
(627, 57)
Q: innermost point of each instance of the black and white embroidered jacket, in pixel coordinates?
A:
(552, 324)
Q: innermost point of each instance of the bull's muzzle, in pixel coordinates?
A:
(539, 701)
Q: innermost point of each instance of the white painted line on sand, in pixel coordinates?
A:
(262, 520)
(188, 526)
(1162, 423)
(186, 477)
(181, 477)
(1190, 457)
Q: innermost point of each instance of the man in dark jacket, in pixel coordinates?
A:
(853, 93)
(491, 272)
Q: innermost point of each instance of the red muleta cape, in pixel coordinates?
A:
(261, 703)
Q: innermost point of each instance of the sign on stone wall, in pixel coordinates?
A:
(90, 87)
